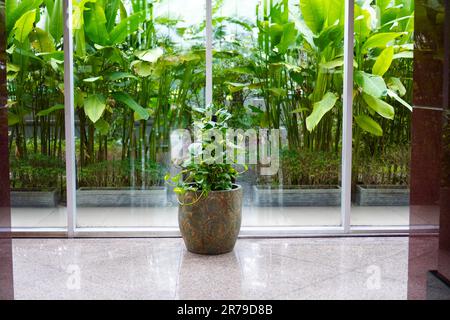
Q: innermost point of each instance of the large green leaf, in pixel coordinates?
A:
(94, 106)
(15, 10)
(383, 62)
(380, 40)
(392, 94)
(142, 68)
(111, 9)
(288, 37)
(313, 13)
(362, 23)
(371, 84)
(126, 27)
(379, 106)
(24, 25)
(114, 76)
(126, 99)
(50, 110)
(334, 10)
(102, 127)
(151, 55)
(369, 125)
(13, 118)
(41, 41)
(320, 109)
(56, 21)
(395, 84)
(95, 23)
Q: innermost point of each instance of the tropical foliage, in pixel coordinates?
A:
(140, 73)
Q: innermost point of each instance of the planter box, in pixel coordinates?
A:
(382, 195)
(111, 197)
(34, 198)
(301, 196)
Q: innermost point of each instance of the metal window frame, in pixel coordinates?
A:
(345, 229)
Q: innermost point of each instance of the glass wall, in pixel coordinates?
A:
(276, 68)
(139, 74)
(382, 112)
(35, 69)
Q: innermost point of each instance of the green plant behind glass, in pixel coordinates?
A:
(199, 172)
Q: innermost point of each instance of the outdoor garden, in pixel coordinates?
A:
(139, 72)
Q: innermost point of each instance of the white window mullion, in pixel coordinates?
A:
(209, 76)
(347, 115)
(69, 113)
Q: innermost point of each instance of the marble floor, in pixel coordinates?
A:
(158, 268)
(251, 217)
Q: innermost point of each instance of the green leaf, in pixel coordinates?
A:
(13, 118)
(371, 84)
(313, 14)
(380, 40)
(396, 85)
(288, 38)
(142, 68)
(94, 106)
(102, 127)
(320, 109)
(16, 10)
(24, 25)
(235, 87)
(379, 106)
(46, 112)
(55, 23)
(126, 99)
(151, 55)
(93, 79)
(369, 125)
(114, 76)
(126, 27)
(279, 92)
(95, 24)
(111, 8)
(392, 94)
(333, 64)
(362, 23)
(41, 41)
(383, 62)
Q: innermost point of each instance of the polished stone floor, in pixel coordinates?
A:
(251, 217)
(161, 268)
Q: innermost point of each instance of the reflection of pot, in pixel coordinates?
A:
(211, 225)
(199, 280)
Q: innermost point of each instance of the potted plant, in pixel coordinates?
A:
(210, 202)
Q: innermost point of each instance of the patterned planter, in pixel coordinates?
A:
(297, 196)
(111, 197)
(382, 195)
(34, 198)
(211, 225)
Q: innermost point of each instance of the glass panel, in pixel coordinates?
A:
(139, 71)
(35, 66)
(382, 112)
(278, 65)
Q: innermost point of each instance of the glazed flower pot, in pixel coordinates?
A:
(211, 225)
